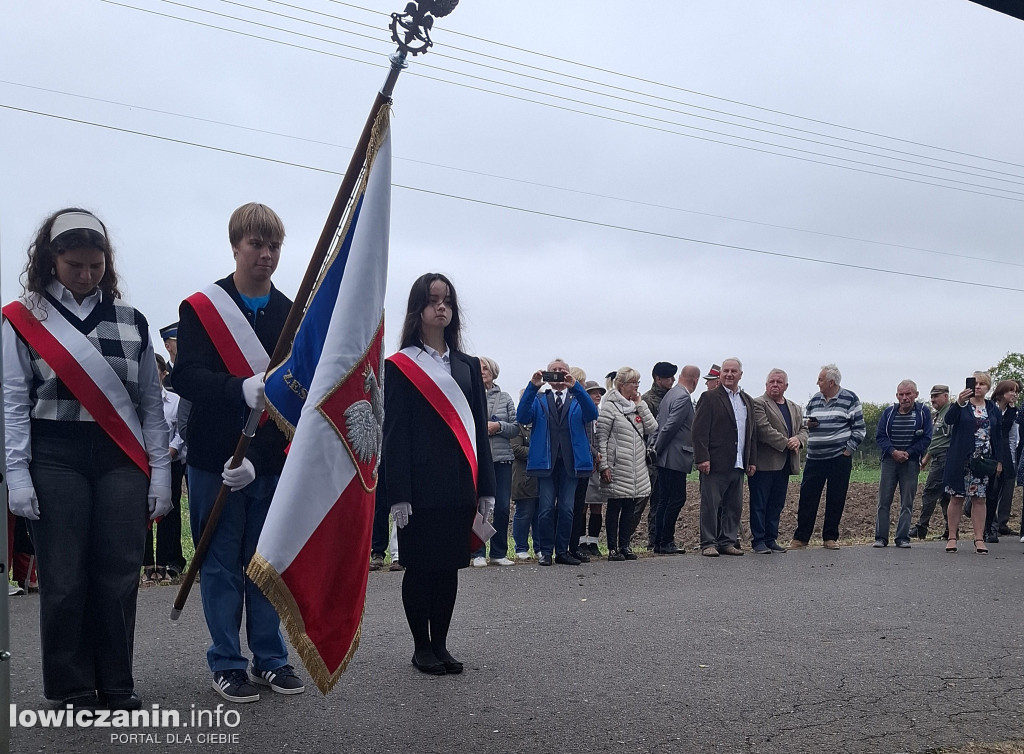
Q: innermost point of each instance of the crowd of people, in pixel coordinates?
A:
(102, 434)
(573, 447)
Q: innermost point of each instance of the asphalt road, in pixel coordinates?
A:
(859, 650)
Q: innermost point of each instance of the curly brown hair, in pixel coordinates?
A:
(42, 254)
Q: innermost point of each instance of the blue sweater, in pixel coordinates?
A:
(582, 411)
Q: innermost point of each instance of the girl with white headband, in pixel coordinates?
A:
(87, 455)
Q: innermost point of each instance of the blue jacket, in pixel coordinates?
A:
(922, 431)
(533, 410)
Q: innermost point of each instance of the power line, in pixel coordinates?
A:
(957, 187)
(437, 54)
(704, 242)
(449, 30)
(625, 112)
(540, 213)
(511, 179)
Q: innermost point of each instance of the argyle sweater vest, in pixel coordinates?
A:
(117, 331)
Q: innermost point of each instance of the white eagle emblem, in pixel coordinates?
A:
(364, 420)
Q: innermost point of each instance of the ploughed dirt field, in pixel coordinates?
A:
(857, 527)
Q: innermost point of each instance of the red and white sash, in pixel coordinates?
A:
(230, 332)
(77, 363)
(444, 395)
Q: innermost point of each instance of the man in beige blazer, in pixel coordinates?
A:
(780, 436)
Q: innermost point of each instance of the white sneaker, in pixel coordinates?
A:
(13, 590)
(504, 562)
(526, 555)
(478, 562)
(1022, 539)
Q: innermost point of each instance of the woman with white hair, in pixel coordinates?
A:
(501, 427)
(621, 426)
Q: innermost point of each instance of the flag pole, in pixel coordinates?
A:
(284, 342)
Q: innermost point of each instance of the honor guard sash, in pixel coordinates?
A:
(444, 395)
(82, 368)
(230, 332)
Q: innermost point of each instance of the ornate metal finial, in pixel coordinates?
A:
(411, 29)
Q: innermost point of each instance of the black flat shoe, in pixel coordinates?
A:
(83, 701)
(426, 662)
(451, 665)
(122, 701)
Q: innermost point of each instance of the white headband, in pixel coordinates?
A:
(75, 221)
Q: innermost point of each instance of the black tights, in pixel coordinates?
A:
(429, 600)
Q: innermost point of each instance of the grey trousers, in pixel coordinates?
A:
(721, 505)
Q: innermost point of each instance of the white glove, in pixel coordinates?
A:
(159, 502)
(252, 391)
(401, 512)
(24, 503)
(239, 477)
(486, 507)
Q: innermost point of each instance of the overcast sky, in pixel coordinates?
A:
(922, 98)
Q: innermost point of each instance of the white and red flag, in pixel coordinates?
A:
(311, 560)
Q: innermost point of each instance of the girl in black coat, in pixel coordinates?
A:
(431, 485)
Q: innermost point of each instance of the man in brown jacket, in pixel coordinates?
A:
(724, 449)
(780, 436)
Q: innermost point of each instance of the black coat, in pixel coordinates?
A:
(961, 443)
(218, 408)
(424, 466)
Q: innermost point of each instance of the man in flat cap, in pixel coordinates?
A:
(934, 489)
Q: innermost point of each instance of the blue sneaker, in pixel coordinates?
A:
(282, 680)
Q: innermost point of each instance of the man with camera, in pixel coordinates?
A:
(559, 454)
(724, 449)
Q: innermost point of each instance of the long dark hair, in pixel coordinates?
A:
(43, 253)
(419, 299)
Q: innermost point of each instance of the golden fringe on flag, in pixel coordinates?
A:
(272, 585)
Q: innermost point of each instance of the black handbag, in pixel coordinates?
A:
(982, 466)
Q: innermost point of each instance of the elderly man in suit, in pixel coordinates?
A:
(674, 446)
(780, 436)
(724, 448)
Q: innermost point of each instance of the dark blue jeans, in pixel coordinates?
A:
(672, 490)
(502, 504)
(89, 541)
(225, 587)
(557, 495)
(526, 518)
(767, 499)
